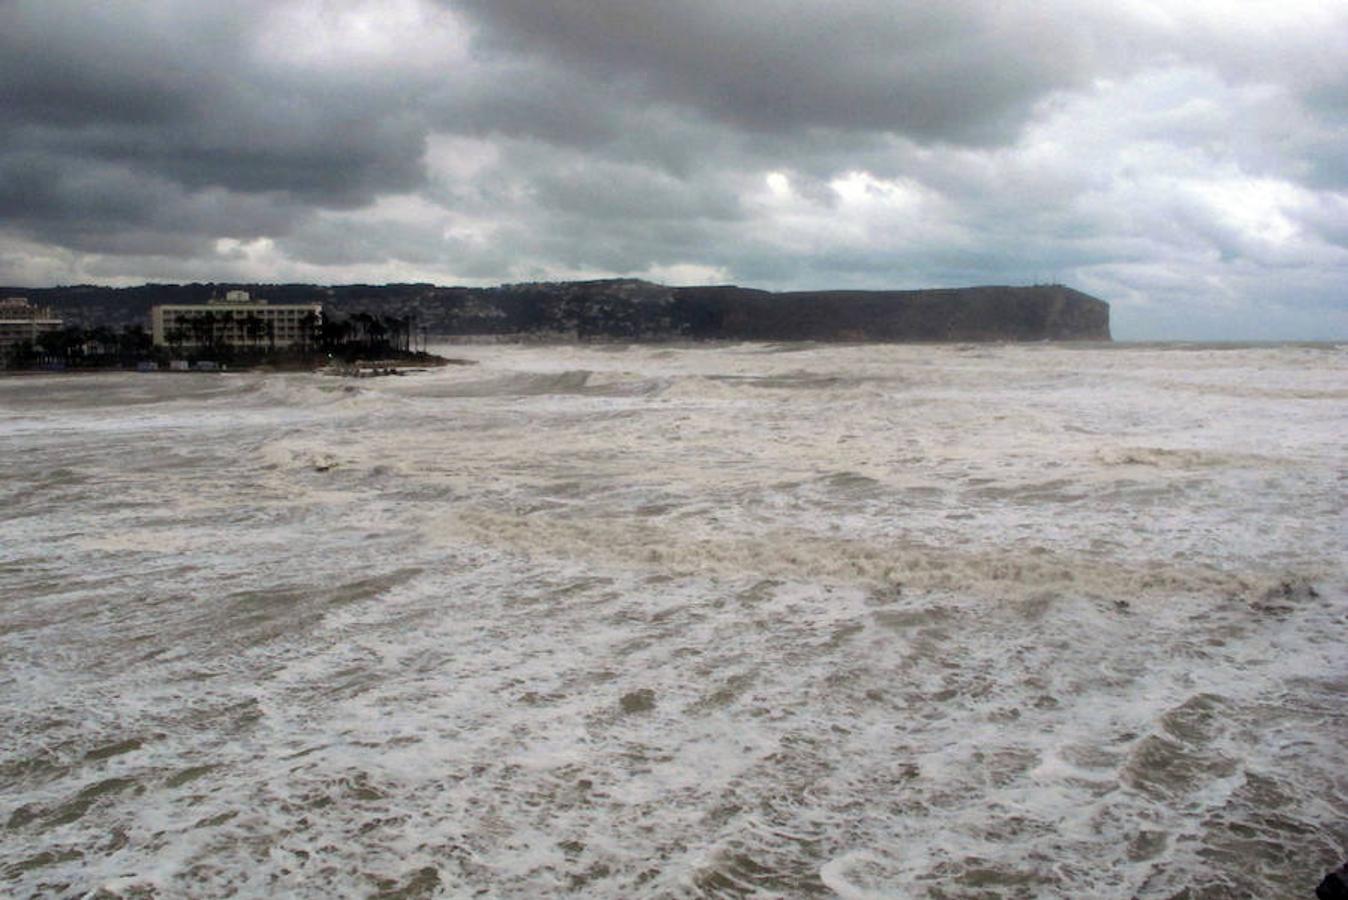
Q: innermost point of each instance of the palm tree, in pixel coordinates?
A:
(309, 324)
(64, 344)
(175, 337)
(133, 343)
(103, 340)
(226, 326)
(334, 333)
(405, 324)
(209, 327)
(360, 327)
(390, 328)
(376, 333)
(253, 327)
(201, 329)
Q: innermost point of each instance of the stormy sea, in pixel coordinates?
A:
(738, 620)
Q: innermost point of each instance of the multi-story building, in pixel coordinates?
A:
(236, 320)
(22, 322)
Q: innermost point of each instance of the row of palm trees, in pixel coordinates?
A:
(224, 336)
(371, 332)
(364, 332)
(74, 346)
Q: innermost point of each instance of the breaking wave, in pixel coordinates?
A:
(702, 621)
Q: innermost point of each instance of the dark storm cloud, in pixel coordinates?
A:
(127, 121)
(524, 98)
(101, 206)
(969, 72)
(325, 242)
(77, 64)
(1135, 149)
(961, 71)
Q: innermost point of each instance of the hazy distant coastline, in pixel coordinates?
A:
(630, 309)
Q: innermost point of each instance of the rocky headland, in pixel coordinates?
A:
(635, 310)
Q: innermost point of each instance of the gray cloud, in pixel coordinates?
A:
(119, 117)
(106, 207)
(962, 71)
(1184, 160)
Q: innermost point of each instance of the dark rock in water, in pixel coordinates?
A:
(633, 310)
(638, 701)
(1334, 886)
(425, 882)
(1283, 598)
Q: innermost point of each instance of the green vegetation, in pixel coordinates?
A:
(215, 337)
(79, 348)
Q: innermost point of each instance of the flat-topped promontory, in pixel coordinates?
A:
(636, 310)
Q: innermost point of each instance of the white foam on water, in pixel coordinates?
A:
(769, 620)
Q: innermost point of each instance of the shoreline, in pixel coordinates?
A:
(401, 366)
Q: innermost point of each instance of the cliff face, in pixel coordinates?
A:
(959, 314)
(628, 309)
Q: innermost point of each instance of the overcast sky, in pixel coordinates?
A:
(1186, 160)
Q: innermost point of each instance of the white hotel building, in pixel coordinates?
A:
(237, 320)
(21, 322)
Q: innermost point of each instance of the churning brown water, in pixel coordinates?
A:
(1030, 621)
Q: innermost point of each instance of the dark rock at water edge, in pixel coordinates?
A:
(1334, 886)
(638, 701)
(634, 310)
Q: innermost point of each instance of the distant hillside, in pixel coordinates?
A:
(629, 309)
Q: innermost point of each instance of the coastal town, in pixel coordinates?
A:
(233, 329)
